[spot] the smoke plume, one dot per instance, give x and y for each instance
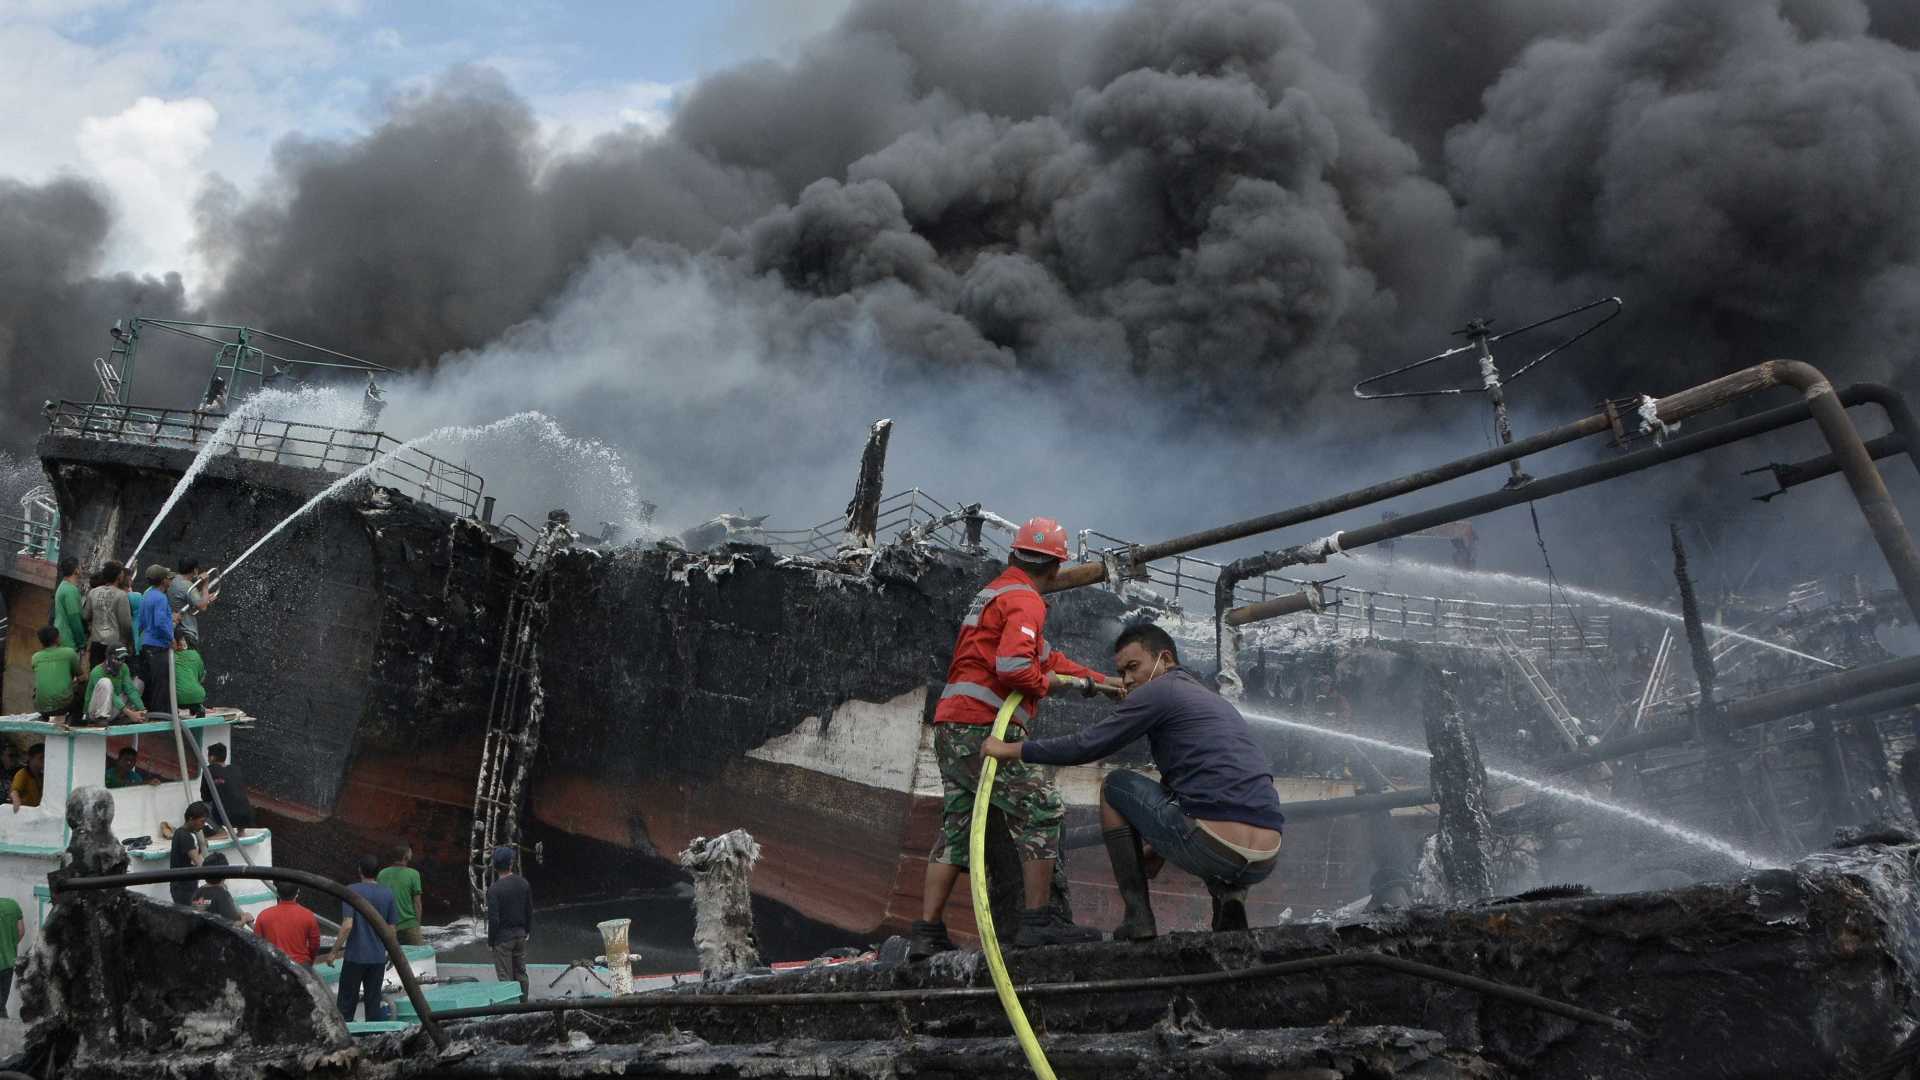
(1047, 239)
(55, 306)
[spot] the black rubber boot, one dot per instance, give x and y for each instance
(1123, 848)
(1042, 926)
(928, 939)
(1229, 907)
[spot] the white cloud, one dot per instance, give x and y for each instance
(569, 121)
(149, 98)
(149, 157)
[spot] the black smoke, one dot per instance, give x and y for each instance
(1217, 212)
(1738, 170)
(56, 303)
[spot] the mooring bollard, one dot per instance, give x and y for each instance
(614, 933)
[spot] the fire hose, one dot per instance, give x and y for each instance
(983, 905)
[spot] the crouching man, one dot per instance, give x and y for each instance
(1213, 813)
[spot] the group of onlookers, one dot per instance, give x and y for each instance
(394, 891)
(133, 643)
(129, 639)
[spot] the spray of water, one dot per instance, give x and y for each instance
(299, 402)
(531, 457)
(1494, 577)
(445, 434)
(1678, 832)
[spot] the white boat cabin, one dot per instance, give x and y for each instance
(33, 839)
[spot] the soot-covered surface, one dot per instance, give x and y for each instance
(712, 657)
(362, 640)
(1803, 972)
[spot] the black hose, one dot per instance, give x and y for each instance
(668, 1000)
(359, 903)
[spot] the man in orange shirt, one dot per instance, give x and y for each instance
(289, 927)
(1002, 649)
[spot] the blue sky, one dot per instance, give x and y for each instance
(149, 97)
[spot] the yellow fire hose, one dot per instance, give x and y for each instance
(983, 907)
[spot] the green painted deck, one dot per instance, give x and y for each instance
(415, 954)
(375, 1027)
(459, 996)
(24, 724)
(156, 852)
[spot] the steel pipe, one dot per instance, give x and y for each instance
(360, 906)
(670, 1000)
(1671, 410)
(1307, 599)
(1792, 475)
(1859, 692)
(1869, 487)
(1819, 400)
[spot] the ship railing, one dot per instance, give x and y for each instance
(409, 469)
(25, 536)
(1374, 613)
(903, 510)
(1190, 580)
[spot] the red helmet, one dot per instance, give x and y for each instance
(1042, 536)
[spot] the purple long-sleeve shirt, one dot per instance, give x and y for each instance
(1199, 741)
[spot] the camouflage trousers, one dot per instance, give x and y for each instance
(1023, 793)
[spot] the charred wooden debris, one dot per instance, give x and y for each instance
(1806, 971)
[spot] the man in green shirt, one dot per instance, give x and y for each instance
(13, 927)
(404, 882)
(120, 699)
(54, 692)
(188, 672)
(69, 604)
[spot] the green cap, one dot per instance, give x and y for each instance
(157, 573)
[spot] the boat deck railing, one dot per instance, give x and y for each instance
(1190, 580)
(24, 536)
(903, 510)
(1375, 613)
(411, 470)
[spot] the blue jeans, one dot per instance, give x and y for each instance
(1153, 813)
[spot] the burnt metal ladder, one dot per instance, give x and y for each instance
(1557, 710)
(1656, 677)
(513, 732)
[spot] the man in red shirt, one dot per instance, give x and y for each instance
(1002, 648)
(289, 927)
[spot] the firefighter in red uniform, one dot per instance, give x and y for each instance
(1002, 649)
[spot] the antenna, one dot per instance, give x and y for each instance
(1480, 338)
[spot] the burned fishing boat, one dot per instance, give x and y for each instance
(414, 681)
(396, 644)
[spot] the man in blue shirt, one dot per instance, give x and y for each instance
(1212, 813)
(153, 625)
(366, 955)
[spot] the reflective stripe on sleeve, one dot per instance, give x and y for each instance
(974, 691)
(1006, 664)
